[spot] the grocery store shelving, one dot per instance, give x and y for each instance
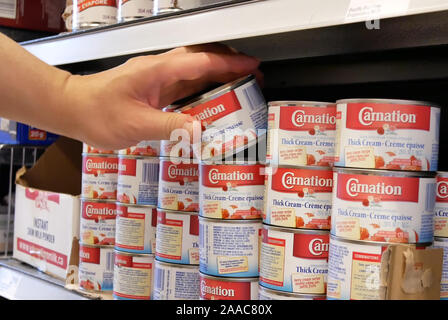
(257, 27)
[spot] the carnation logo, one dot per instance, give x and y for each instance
(84, 255)
(103, 165)
(210, 112)
(318, 247)
(215, 176)
(215, 290)
(174, 172)
(442, 189)
(289, 181)
(300, 118)
(354, 188)
(105, 211)
(367, 116)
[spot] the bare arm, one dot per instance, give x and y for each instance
(116, 108)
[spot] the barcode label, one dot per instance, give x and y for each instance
(254, 96)
(109, 261)
(150, 173)
(8, 9)
(430, 197)
(159, 279)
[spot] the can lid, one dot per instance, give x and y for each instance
(228, 279)
(388, 101)
(273, 166)
(123, 156)
(122, 204)
(298, 103)
(193, 213)
(229, 221)
(100, 155)
(443, 174)
(291, 294)
(215, 93)
(440, 239)
(296, 230)
(181, 160)
(133, 254)
(391, 173)
(377, 243)
(177, 265)
(81, 244)
(85, 199)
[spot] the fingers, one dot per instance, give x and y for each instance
(209, 47)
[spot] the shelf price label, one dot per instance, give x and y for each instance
(359, 10)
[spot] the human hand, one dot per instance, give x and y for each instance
(120, 107)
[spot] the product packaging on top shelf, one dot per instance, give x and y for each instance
(12, 132)
(47, 209)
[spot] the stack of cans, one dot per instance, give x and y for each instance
(97, 219)
(177, 247)
(137, 192)
(384, 189)
(441, 228)
(299, 184)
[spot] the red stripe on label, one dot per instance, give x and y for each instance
(52, 257)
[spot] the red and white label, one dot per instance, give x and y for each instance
(86, 4)
(213, 289)
(308, 118)
(99, 177)
(383, 207)
(94, 12)
(97, 225)
(299, 198)
(96, 268)
(441, 208)
(231, 191)
(50, 256)
(311, 246)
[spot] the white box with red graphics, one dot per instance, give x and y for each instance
(47, 208)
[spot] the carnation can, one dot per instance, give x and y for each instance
(138, 180)
(232, 117)
(178, 185)
(269, 294)
(219, 288)
(443, 243)
(133, 274)
(175, 281)
(231, 190)
(129, 10)
(97, 225)
(355, 269)
(136, 228)
(384, 206)
(387, 134)
(229, 248)
(441, 208)
(298, 197)
(96, 267)
(92, 150)
(301, 133)
(177, 237)
(147, 148)
(90, 14)
(294, 260)
(99, 176)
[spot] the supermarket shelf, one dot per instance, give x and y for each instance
(19, 281)
(256, 27)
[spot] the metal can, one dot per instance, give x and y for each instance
(178, 185)
(443, 243)
(91, 14)
(387, 134)
(99, 176)
(177, 237)
(354, 269)
(301, 133)
(229, 248)
(96, 267)
(138, 180)
(129, 10)
(175, 281)
(147, 148)
(384, 206)
(298, 197)
(165, 6)
(218, 288)
(441, 207)
(232, 117)
(92, 150)
(294, 260)
(136, 228)
(176, 149)
(133, 274)
(269, 294)
(97, 225)
(231, 191)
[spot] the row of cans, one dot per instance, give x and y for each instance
(91, 14)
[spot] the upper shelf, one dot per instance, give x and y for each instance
(248, 21)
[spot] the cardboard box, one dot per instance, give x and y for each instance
(47, 205)
(42, 15)
(12, 132)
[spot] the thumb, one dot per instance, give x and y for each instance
(159, 125)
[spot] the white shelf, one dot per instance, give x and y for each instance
(22, 282)
(242, 21)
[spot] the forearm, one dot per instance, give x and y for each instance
(30, 90)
